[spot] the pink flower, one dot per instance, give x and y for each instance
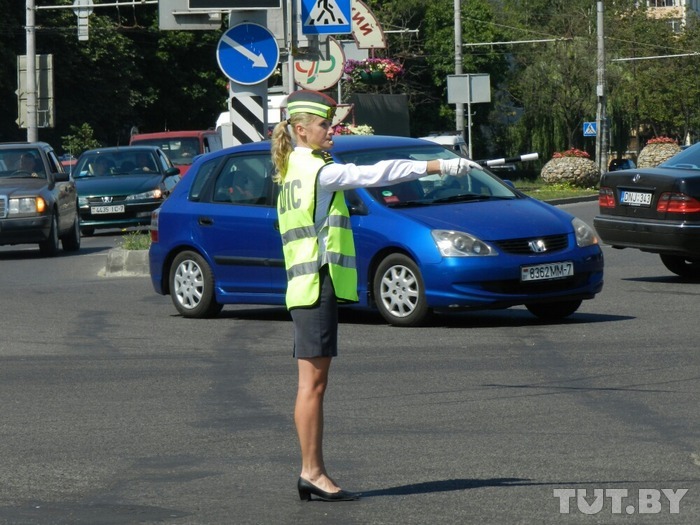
(354, 68)
(573, 152)
(661, 140)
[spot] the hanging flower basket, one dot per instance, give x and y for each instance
(373, 71)
(376, 78)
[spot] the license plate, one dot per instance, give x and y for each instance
(97, 210)
(547, 272)
(635, 198)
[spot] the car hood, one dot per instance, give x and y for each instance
(117, 185)
(494, 220)
(27, 185)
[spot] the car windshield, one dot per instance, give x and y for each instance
(688, 159)
(21, 163)
(179, 150)
(478, 185)
(107, 164)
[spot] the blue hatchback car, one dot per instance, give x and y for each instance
(426, 245)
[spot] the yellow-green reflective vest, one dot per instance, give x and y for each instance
(296, 209)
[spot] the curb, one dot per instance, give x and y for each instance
(573, 200)
(127, 263)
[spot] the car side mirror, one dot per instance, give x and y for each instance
(60, 177)
(355, 204)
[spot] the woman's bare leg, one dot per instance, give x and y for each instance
(308, 417)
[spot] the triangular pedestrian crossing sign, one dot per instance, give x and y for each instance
(589, 129)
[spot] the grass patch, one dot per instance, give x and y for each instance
(136, 241)
(546, 191)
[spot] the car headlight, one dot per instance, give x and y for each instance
(26, 206)
(585, 235)
(82, 201)
(459, 244)
(153, 194)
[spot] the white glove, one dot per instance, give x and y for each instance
(456, 167)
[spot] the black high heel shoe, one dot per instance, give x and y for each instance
(306, 489)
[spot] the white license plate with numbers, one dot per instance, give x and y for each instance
(546, 272)
(635, 198)
(116, 208)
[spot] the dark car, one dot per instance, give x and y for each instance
(38, 199)
(119, 187)
(621, 164)
(425, 245)
(655, 210)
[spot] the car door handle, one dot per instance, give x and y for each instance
(277, 225)
(205, 221)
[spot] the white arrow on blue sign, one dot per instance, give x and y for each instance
(325, 17)
(248, 53)
(590, 129)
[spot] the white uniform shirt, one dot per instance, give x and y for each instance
(334, 177)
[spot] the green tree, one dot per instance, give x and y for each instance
(81, 138)
(552, 83)
(12, 37)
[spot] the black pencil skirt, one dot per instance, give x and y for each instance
(316, 328)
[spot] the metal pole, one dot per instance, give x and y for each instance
(32, 131)
(469, 117)
(601, 144)
(291, 44)
(459, 107)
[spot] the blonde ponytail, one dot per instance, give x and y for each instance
(282, 145)
(281, 149)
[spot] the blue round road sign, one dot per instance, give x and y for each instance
(247, 53)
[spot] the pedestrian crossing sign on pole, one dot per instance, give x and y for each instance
(590, 129)
(325, 17)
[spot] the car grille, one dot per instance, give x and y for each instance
(552, 243)
(109, 200)
(3, 207)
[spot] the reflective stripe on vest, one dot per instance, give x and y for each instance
(300, 239)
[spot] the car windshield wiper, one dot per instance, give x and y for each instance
(408, 204)
(466, 197)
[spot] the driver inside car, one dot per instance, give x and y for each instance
(27, 163)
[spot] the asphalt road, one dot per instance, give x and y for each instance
(117, 411)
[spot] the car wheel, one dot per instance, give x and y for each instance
(192, 286)
(682, 266)
(49, 247)
(71, 242)
(553, 311)
(399, 292)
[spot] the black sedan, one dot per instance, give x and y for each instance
(655, 210)
(38, 199)
(120, 186)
